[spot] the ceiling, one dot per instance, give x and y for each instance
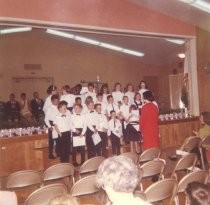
(157, 51)
(178, 10)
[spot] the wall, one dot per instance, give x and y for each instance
(203, 57)
(69, 62)
(102, 14)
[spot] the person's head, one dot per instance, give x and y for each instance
(90, 87)
(205, 118)
(78, 89)
(110, 99)
(77, 108)
(66, 89)
(148, 96)
(137, 97)
(97, 107)
(55, 99)
(62, 106)
(117, 174)
(23, 96)
(90, 106)
(125, 100)
(52, 90)
(113, 114)
(64, 200)
(132, 107)
(78, 100)
(117, 87)
(104, 88)
(88, 100)
(99, 97)
(36, 95)
(129, 88)
(12, 96)
(142, 85)
(197, 194)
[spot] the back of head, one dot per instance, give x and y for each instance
(198, 194)
(63, 200)
(148, 95)
(118, 173)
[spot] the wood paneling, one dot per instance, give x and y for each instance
(173, 133)
(25, 152)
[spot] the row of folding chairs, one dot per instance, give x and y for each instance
(158, 191)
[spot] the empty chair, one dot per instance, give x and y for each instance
(161, 190)
(84, 186)
(205, 144)
(184, 163)
(149, 154)
(59, 171)
(197, 176)
(152, 168)
(132, 156)
(43, 195)
(190, 143)
(91, 165)
(23, 179)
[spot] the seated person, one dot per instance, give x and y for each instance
(63, 200)
(119, 177)
(12, 109)
(197, 194)
(37, 107)
(25, 109)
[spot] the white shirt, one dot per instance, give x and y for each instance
(69, 98)
(117, 96)
(105, 98)
(63, 122)
(91, 120)
(124, 109)
(111, 107)
(114, 126)
(47, 104)
(78, 121)
(134, 117)
(51, 114)
(130, 96)
(102, 122)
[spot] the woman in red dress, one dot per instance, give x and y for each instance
(149, 121)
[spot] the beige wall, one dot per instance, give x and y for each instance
(203, 56)
(68, 62)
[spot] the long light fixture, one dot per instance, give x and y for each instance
(15, 30)
(200, 4)
(176, 41)
(94, 42)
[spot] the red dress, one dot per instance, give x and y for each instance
(149, 125)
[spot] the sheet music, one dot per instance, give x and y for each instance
(78, 141)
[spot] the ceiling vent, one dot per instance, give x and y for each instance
(32, 66)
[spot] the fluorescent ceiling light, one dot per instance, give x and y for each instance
(86, 40)
(135, 53)
(181, 55)
(200, 4)
(110, 46)
(14, 30)
(94, 42)
(176, 41)
(60, 33)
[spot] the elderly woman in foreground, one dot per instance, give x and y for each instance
(119, 177)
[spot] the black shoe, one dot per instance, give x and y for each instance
(52, 157)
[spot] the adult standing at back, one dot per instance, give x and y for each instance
(149, 121)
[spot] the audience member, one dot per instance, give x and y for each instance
(64, 200)
(197, 194)
(119, 177)
(8, 198)
(25, 109)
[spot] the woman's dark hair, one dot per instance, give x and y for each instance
(50, 89)
(148, 95)
(105, 85)
(198, 193)
(66, 88)
(142, 81)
